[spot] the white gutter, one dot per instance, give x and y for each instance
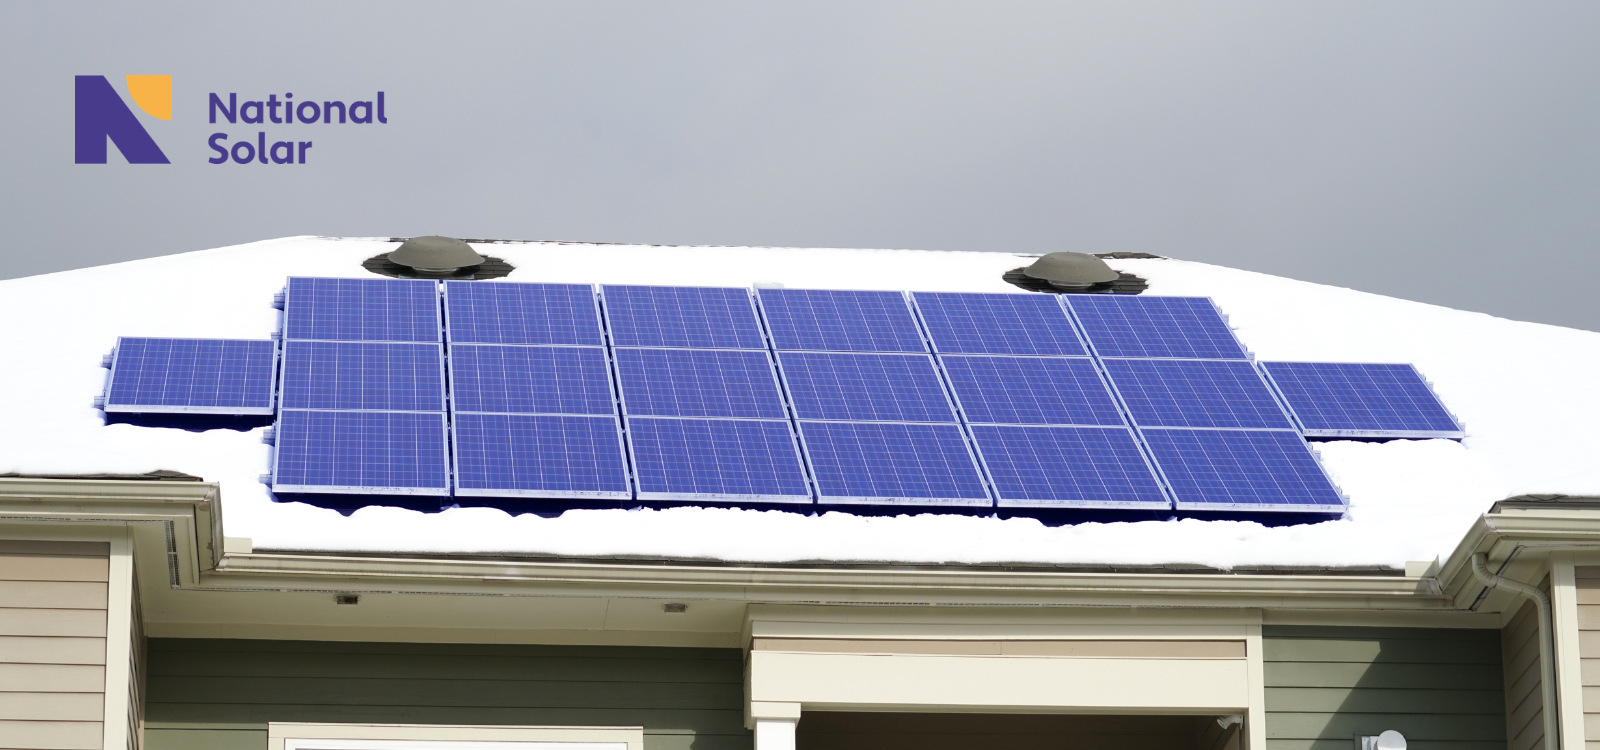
(1547, 646)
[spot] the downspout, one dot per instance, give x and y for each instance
(1547, 645)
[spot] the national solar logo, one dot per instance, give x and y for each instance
(100, 114)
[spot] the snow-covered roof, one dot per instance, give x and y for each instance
(1522, 390)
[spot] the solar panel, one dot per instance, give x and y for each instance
(519, 455)
(1362, 400)
(193, 376)
(1254, 470)
(699, 383)
(530, 380)
(887, 463)
(1127, 326)
(840, 321)
(1067, 467)
(361, 452)
(361, 310)
(359, 375)
(682, 317)
(865, 387)
(1030, 390)
(716, 459)
(1195, 393)
(1029, 324)
(504, 313)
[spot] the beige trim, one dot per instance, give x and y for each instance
(1255, 719)
(1118, 649)
(278, 731)
(119, 733)
(1568, 656)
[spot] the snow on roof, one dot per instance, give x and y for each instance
(1522, 389)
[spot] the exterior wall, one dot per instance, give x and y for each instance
(1441, 688)
(1588, 590)
(220, 694)
(917, 731)
(1519, 643)
(53, 599)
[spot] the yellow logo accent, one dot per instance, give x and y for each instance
(153, 94)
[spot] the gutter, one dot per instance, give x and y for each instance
(1547, 646)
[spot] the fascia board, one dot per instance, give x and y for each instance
(1529, 533)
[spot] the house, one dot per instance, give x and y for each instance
(155, 592)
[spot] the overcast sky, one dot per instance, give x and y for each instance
(1447, 152)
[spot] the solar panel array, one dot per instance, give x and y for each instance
(532, 412)
(796, 396)
(1213, 427)
(705, 417)
(1362, 400)
(363, 392)
(191, 376)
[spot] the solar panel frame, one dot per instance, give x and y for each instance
(1312, 423)
(306, 318)
(1188, 495)
(1014, 488)
(945, 333)
(1142, 386)
(814, 432)
(294, 383)
(459, 313)
(467, 479)
(268, 394)
(783, 327)
(287, 433)
(842, 404)
(642, 404)
(644, 471)
(1115, 339)
(961, 370)
(622, 333)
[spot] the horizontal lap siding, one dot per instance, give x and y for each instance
(220, 694)
(52, 644)
(1588, 580)
(1442, 689)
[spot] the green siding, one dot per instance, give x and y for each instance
(1442, 689)
(220, 694)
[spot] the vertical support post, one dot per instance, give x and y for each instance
(775, 734)
(1569, 664)
(120, 733)
(1255, 719)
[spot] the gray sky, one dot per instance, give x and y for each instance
(1447, 152)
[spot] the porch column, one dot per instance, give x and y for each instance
(775, 734)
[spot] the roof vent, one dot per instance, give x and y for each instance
(1071, 271)
(435, 256)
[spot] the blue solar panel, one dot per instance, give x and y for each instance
(1030, 390)
(699, 383)
(1361, 400)
(361, 452)
(1127, 326)
(840, 321)
(1242, 470)
(504, 313)
(195, 376)
(518, 455)
(1067, 467)
(717, 459)
(361, 310)
(886, 463)
(1195, 393)
(530, 380)
(1031, 324)
(865, 387)
(361, 375)
(682, 317)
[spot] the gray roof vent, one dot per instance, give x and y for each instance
(1071, 271)
(435, 256)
